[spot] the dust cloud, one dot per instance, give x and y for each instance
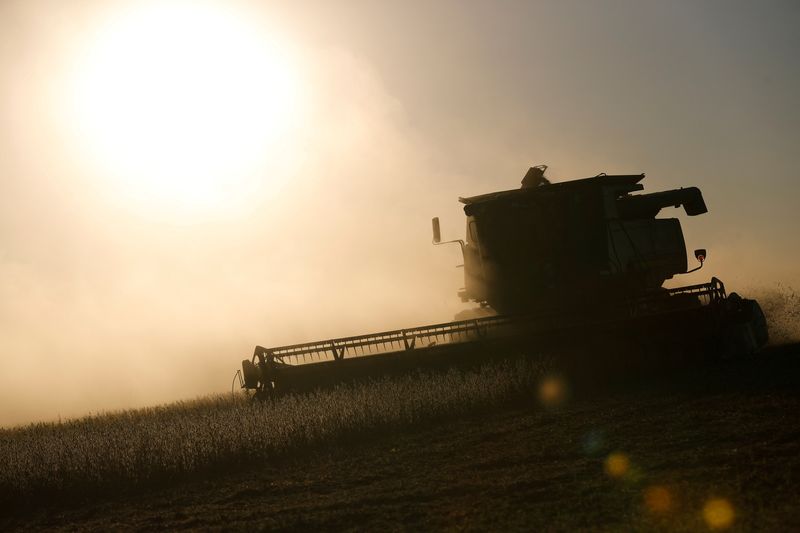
(103, 308)
(104, 305)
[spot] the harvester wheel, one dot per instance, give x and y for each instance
(265, 392)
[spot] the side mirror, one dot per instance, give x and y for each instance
(437, 236)
(700, 254)
(437, 232)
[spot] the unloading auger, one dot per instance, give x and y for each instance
(566, 265)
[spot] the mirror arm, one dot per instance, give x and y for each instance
(702, 260)
(437, 236)
(695, 269)
(459, 241)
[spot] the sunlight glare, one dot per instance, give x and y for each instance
(617, 465)
(182, 105)
(552, 391)
(718, 513)
(658, 499)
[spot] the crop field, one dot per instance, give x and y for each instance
(146, 446)
(520, 444)
(712, 448)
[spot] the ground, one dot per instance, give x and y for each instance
(697, 448)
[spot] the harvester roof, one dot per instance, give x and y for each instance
(621, 183)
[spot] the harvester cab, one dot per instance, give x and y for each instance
(572, 244)
(578, 263)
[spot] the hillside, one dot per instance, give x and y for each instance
(715, 446)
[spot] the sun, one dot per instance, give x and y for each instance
(184, 106)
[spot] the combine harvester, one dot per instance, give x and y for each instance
(577, 265)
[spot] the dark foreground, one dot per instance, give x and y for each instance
(649, 456)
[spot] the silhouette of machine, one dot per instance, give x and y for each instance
(575, 245)
(579, 264)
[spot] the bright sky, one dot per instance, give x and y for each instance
(184, 180)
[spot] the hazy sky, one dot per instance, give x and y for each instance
(282, 196)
